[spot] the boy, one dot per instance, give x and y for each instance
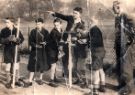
(96, 46)
(38, 40)
(9, 40)
(56, 35)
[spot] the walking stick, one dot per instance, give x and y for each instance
(70, 60)
(91, 68)
(15, 56)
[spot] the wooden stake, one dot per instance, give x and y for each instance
(70, 60)
(15, 57)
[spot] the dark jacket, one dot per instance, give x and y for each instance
(95, 37)
(123, 46)
(123, 35)
(9, 46)
(54, 42)
(54, 38)
(95, 42)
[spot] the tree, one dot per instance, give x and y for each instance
(22, 8)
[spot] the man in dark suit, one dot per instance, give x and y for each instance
(124, 28)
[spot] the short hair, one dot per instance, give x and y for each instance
(115, 4)
(78, 9)
(39, 20)
(57, 20)
(12, 19)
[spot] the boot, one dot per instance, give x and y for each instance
(125, 91)
(28, 84)
(52, 83)
(102, 88)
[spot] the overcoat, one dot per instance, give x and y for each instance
(123, 45)
(9, 46)
(38, 55)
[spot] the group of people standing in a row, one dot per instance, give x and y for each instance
(49, 48)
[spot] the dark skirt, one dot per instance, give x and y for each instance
(38, 61)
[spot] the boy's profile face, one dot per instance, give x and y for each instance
(57, 25)
(76, 14)
(60, 48)
(116, 9)
(39, 25)
(8, 23)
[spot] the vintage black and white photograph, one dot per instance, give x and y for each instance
(67, 47)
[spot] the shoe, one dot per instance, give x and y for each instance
(119, 87)
(57, 81)
(40, 82)
(19, 84)
(77, 82)
(52, 83)
(125, 92)
(8, 85)
(28, 84)
(102, 88)
(84, 85)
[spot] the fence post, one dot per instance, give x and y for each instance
(28, 37)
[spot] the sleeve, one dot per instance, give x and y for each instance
(32, 42)
(2, 39)
(61, 16)
(20, 39)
